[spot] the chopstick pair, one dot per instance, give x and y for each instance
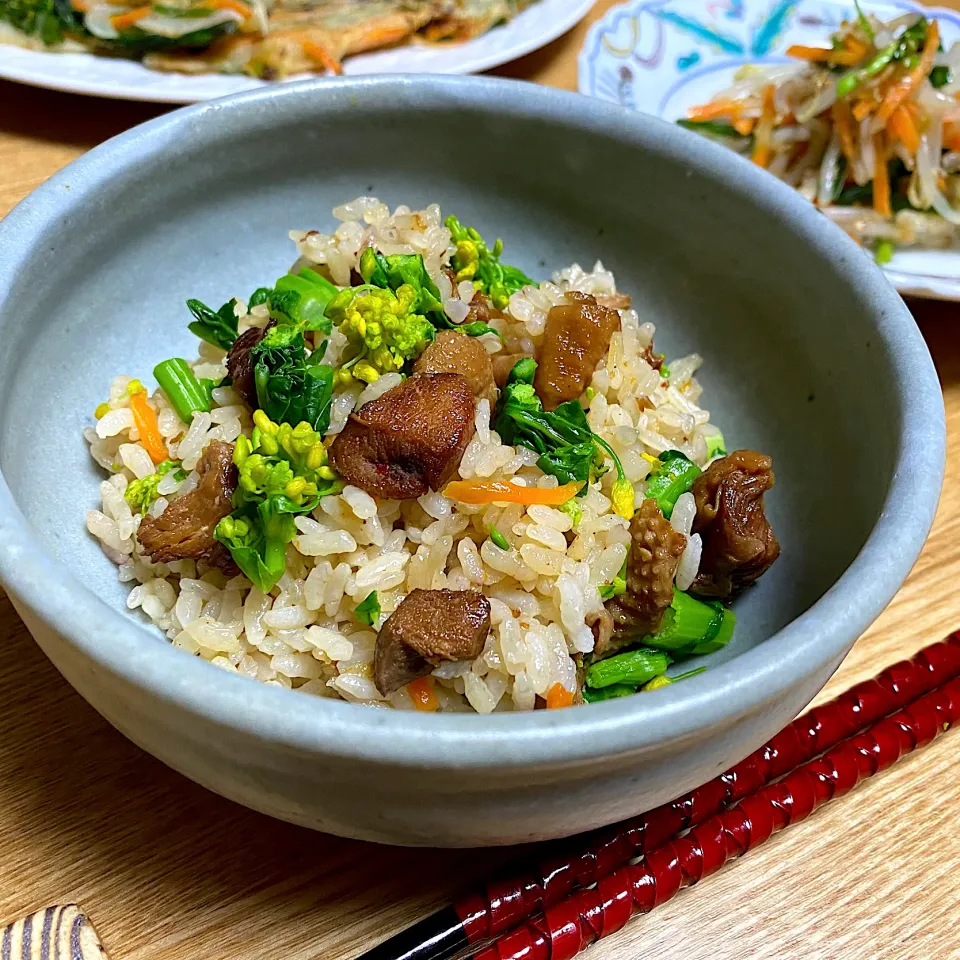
(550, 901)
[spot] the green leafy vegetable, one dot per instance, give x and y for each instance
(618, 587)
(692, 627)
(187, 394)
(474, 260)
(48, 20)
(901, 48)
(613, 692)
(573, 510)
(633, 667)
(291, 386)
(368, 610)
(568, 448)
(282, 471)
(863, 21)
(218, 328)
(499, 540)
(940, 76)
(141, 493)
(674, 477)
(301, 299)
(715, 446)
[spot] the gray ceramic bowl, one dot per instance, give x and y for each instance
(811, 356)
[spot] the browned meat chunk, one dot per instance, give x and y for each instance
(185, 529)
(739, 545)
(654, 554)
(429, 626)
(576, 338)
(454, 352)
(654, 359)
(410, 439)
(240, 364)
(503, 363)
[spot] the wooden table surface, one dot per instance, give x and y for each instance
(169, 871)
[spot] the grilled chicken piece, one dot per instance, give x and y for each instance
(185, 529)
(240, 364)
(576, 339)
(654, 555)
(454, 352)
(410, 439)
(428, 627)
(739, 545)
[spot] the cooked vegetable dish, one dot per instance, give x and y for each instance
(269, 39)
(408, 475)
(867, 127)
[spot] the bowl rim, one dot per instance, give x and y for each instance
(814, 641)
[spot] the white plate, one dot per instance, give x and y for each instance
(663, 56)
(126, 80)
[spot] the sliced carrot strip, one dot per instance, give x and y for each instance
(744, 126)
(559, 696)
(905, 130)
(79, 5)
(849, 55)
(316, 52)
(145, 421)
(910, 82)
(762, 152)
(497, 491)
(861, 108)
(235, 5)
(844, 126)
(422, 695)
(121, 21)
(816, 54)
(722, 107)
(881, 181)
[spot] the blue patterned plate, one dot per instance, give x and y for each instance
(664, 56)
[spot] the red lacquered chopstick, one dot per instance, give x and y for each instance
(507, 902)
(568, 927)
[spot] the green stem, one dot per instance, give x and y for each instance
(674, 478)
(692, 627)
(182, 388)
(608, 693)
(633, 667)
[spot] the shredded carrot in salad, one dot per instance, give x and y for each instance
(121, 21)
(762, 151)
(423, 696)
(498, 491)
(850, 127)
(145, 421)
(909, 84)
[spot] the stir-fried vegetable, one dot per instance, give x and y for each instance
(217, 327)
(383, 327)
(368, 609)
(871, 120)
(613, 692)
(664, 681)
(475, 261)
(618, 587)
(292, 386)
(282, 472)
(558, 696)
(141, 493)
(672, 478)
(635, 667)
(568, 448)
(499, 540)
(691, 627)
(500, 491)
(48, 20)
(187, 394)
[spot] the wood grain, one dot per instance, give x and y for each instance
(168, 871)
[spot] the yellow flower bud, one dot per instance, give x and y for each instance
(623, 498)
(295, 488)
(366, 372)
(135, 386)
(264, 423)
(657, 682)
(102, 410)
(325, 473)
(344, 377)
(316, 457)
(269, 445)
(241, 450)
